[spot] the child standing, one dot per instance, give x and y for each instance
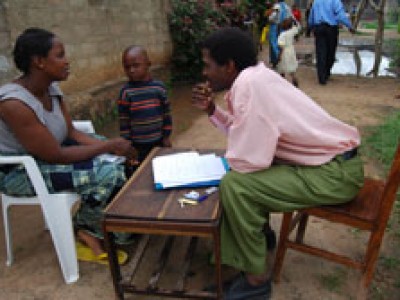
(143, 107)
(265, 26)
(287, 61)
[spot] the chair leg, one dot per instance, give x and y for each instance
(283, 237)
(374, 244)
(301, 229)
(7, 231)
(58, 218)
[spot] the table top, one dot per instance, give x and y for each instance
(139, 200)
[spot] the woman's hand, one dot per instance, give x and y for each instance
(122, 147)
(203, 98)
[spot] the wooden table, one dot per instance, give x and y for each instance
(139, 208)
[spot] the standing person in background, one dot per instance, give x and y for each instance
(296, 13)
(325, 16)
(143, 106)
(265, 24)
(287, 55)
(297, 17)
(280, 11)
(308, 9)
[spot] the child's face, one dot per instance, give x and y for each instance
(136, 66)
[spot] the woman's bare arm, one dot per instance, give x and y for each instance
(39, 142)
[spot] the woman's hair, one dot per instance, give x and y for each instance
(32, 42)
(234, 44)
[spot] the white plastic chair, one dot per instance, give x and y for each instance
(84, 126)
(56, 210)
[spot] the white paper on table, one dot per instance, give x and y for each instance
(187, 168)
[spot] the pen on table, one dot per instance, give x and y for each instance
(207, 193)
(202, 198)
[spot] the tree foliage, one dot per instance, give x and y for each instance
(190, 21)
(258, 7)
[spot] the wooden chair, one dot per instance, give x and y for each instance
(369, 210)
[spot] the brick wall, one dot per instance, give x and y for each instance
(95, 32)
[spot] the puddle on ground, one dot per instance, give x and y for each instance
(357, 56)
(346, 63)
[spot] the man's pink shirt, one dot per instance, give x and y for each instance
(269, 119)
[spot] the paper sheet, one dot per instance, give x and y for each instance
(186, 168)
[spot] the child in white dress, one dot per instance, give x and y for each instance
(287, 55)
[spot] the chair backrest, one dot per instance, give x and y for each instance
(390, 189)
(85, 126)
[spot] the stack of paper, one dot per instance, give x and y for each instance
(188, 169)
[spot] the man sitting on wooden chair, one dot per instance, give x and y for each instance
(285, 152)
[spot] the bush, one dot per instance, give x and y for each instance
(190, 21)
(258, 8)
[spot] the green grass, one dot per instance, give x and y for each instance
(390, 262)
(374, 25)
(333, 281)
(382, 142)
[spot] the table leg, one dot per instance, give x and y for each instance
(113, 261)
(217, 252)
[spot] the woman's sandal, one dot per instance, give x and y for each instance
(84, 253)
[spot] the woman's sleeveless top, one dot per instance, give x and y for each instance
(53, 120)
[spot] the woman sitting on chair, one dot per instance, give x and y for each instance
(34, 120)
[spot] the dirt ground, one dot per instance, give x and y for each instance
(363, 102)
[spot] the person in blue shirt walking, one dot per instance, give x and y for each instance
(280, 11)
(324, 18)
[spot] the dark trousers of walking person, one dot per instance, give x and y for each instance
(326, 38)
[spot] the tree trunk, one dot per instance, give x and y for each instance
(360, 10)
(378, 36)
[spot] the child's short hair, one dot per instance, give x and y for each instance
(138, 49)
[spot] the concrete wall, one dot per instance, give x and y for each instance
(6, 66)
(95, 33)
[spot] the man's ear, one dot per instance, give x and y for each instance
(231, 67)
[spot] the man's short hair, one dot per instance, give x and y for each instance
(231, 43)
